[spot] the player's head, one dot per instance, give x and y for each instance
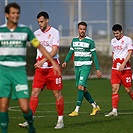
(82, 26)
(117, 31)
(43, 20)
(12, 12)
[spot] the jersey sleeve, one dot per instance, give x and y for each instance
(112, 46)
(92, 46)
(56, 39)
(130, 44)
(94, 54)
(31, 38)
(70, 53)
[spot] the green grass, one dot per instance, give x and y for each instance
(46, 115)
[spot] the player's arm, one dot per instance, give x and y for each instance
(52, 53)
(98, 72)
(130, 52)
(37, 44)
(128, 57)
(68, 57)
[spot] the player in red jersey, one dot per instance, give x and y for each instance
(122, 50)
(44, 74)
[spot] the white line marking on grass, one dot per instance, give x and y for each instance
(17, 108)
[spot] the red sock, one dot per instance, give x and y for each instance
(131, 95)
(115, 100)
(33, 104)
(60, 106)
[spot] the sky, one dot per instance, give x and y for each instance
(59, 12)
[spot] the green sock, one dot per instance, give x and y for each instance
(80, 97)
(4, 121)
(88, 97)
(29, 118)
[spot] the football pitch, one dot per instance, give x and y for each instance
(46, 115)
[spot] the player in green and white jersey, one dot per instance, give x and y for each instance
(13, 77)
(84, 52)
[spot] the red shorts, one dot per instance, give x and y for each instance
(122, 77)
(46, 77)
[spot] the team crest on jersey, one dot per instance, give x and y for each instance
(122, 42)
(49, 35)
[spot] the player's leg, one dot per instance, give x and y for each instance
(59, 108)
(34, 99)
(33, 104)
(89, 98)
(20, 91)
(82, 79)
(37, 85)
(127, 83)
(27, 113)
(115, 100)
(54, 83)
(129, 91)
(5, 94)
(80, 93)
(4, 119)
(115, 82)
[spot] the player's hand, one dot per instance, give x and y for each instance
(64, 64)
(39, 63)
(99, 74)
(121, 68)
(56, 68)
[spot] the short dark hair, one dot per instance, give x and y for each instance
(14, 5)
(117, 27)
(44, 14)
(82, 23)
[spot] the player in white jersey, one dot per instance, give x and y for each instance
(122, 49)
(13, 78)
(44, 74)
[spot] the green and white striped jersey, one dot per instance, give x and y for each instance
(83, 51)
(13, 45)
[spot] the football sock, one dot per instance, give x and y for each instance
(4, 121)
(77, 108)
(114, 110)
(94, 105)
(60, 106)
(80, 97)
(131, 95)
(115, 100)
(88, 97)
(33, 104)
(29, 118)
(60, 118)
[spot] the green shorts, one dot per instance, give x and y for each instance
(13, 82)
(82, 73)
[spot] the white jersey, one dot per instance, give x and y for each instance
(120, 50)
(47, 39)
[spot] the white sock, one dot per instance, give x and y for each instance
(94, 105)
(77, 108)
(114, 110)
(60, 118)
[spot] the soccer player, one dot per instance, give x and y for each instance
(84, 50)
(44, 75)
(122, 50)
(13, 78)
